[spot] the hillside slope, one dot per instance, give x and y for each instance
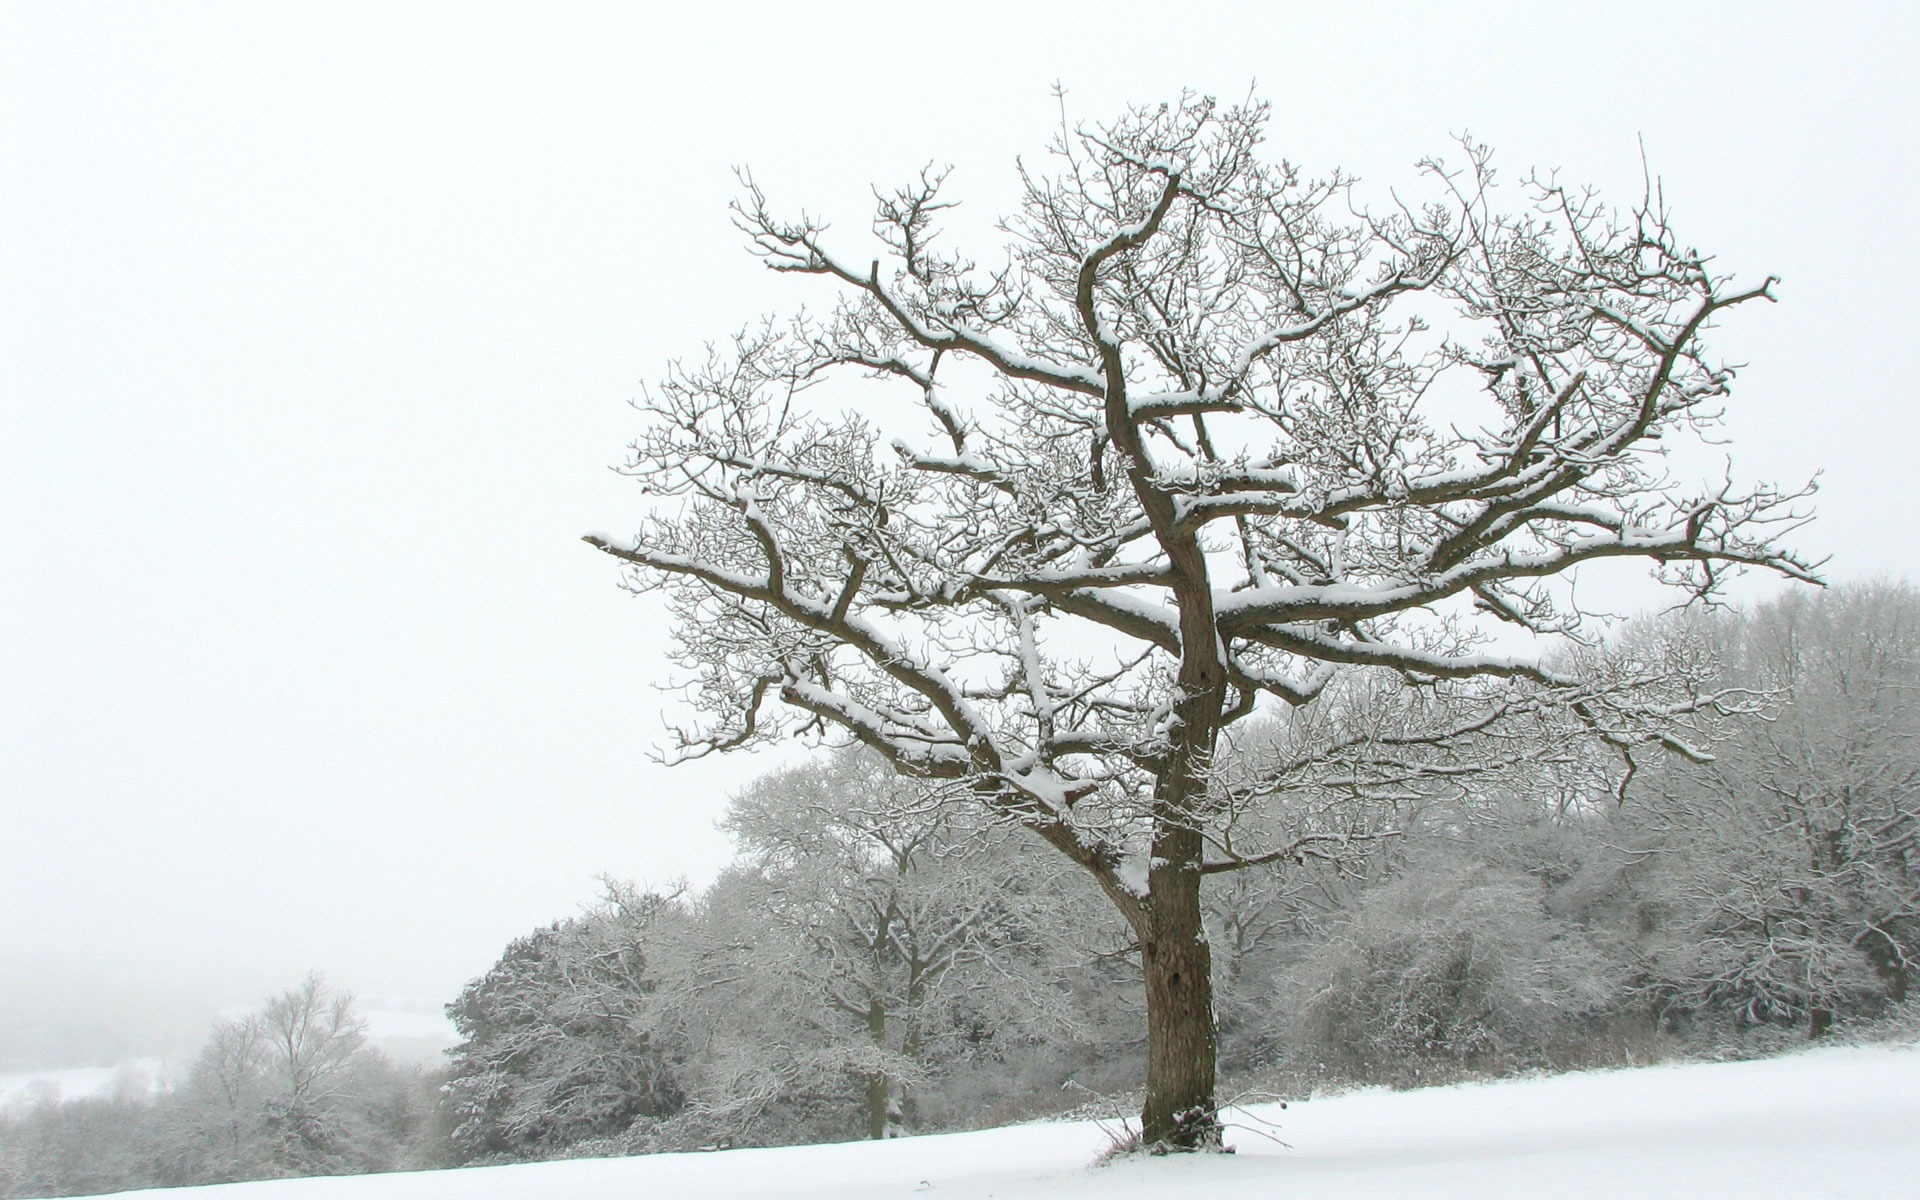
(1842, 1122)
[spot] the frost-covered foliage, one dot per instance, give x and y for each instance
(912, 939)
(290, 1090)
(560, 1041)
(79, 1147)
(1781, 882)
(1770, 889)
(876, 960)
(1444, 970)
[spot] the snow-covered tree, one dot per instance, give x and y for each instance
(78, 1146)
(310, 1038)
(291, 1089)
(914, 934)
(1454, 965)
(1206, 435)
(1784, 877)
(560, 1039)
(859, 967)
(871, 955)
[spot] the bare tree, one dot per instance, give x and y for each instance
(1206, 435)
(290, 1089)
(310, 1035)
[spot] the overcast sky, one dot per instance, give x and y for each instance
(320, 322)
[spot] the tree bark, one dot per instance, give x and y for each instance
(1181, 1112)
(879, 1102)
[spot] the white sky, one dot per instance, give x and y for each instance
(319, 323)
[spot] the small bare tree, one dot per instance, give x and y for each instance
(1206, 436)
(282, 1091)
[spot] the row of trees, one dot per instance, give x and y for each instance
(870, 940)
(289, 1090)
(881, 957)
(1759, 894)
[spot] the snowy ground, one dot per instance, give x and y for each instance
(1836, 1123)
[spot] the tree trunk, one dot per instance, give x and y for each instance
(879, 1086)
(1181, 1112)
(1819, 1020)
(880, 1105)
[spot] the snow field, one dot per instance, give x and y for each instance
(1841, 1123)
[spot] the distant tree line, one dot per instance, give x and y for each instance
(292, 1089)
(882, 959)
